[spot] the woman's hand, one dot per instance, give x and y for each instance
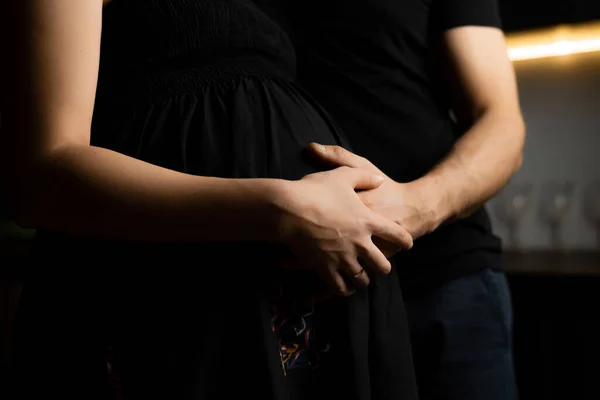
(328, 228)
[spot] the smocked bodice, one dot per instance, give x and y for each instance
(168, 45)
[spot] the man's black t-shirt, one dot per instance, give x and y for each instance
(374, 65)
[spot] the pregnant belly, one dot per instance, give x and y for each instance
(246, 127)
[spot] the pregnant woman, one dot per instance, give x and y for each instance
(157, 146)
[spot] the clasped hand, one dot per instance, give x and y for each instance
(330, 230)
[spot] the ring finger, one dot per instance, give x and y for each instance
(356, 274)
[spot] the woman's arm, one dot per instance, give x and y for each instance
(56, 180)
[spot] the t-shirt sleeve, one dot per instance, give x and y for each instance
(455, 13)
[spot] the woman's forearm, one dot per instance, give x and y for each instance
(55, 180)
(94, 191)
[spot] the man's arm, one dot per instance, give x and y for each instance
(480, 162)
(482, 79)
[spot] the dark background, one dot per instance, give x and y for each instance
(557, 322)
(527, 14)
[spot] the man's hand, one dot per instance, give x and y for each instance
(481, 161)
(411, 205)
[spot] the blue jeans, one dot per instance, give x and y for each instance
(462, 339)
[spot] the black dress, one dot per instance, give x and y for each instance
(204, 87)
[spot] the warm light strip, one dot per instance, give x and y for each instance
(559, 41)
(559, 48)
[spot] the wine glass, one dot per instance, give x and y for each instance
(592, 206)
(556, 202)
(515, 201)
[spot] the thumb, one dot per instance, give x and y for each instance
(335, 155)
(364, 180)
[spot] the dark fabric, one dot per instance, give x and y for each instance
(205, 87)
(342, 374)
(462, 339)
(375, 66)
(456, 13)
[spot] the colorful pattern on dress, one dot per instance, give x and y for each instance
(300, 339)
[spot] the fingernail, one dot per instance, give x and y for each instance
(320, 147)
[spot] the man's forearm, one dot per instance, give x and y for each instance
(481, 162)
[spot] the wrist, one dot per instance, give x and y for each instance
(276, 195)
(434, 199)
(254, 207)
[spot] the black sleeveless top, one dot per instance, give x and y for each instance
(204, 87)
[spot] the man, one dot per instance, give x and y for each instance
(425, 92)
